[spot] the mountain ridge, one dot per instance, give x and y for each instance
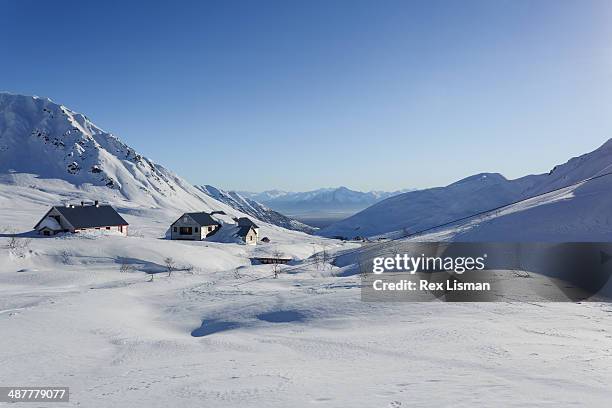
(255, 209)
(340, 199)
(39, 136)
(44, 145)
(414, 211)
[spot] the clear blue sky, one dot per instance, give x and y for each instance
(305, 94)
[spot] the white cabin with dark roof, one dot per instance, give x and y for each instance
(248, 234)
(215, 226)
(247, 222)
(82, 218)
(194, 226)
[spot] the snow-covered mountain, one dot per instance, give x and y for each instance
(40, 137)
(340, 199)
(578, 213)
(255, 209)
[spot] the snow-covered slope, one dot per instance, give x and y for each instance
(103, 315)
(70, 315)
(576, 214)
(255, 209)
(421, 209)
(40, 137)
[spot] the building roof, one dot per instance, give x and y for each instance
(90, 216)
(202, 218)
(246, 222)
(244, 230)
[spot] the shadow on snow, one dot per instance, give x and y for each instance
(213, 326)
(282, 316)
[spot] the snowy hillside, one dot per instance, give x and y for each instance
(40, 137)
(101, 315)
(255, 209)
(72, 317)
(577, 214)
(106, 316)
(424, 208)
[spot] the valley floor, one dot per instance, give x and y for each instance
(218, 336)
(301, 340)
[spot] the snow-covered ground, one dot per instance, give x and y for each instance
(83, 312)
(215, 336)
(120, 341)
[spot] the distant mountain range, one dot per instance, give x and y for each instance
(255, 209)
(340, 200)
(43, 143)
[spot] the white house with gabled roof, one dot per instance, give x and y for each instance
(81, 218)
(194, 226)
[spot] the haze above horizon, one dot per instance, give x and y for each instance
(290, 95)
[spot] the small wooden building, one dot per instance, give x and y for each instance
(272, 260)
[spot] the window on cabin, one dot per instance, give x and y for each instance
(108, 228)
(196, 229)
